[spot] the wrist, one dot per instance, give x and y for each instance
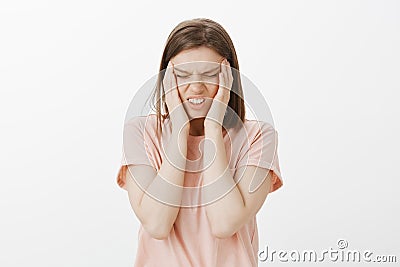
(212, 129)
(180, 128)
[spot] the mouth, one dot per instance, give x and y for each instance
(196, 103)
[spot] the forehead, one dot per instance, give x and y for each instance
(197, 66)
(200, 57)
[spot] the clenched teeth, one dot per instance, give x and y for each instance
(196, 100)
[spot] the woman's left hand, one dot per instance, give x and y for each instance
(215, 115)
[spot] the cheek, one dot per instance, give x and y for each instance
(213, 90)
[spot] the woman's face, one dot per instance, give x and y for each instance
(197, 71)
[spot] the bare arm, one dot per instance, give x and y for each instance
(232, 203)
(158, 207)
(157, 202)
(229, 213)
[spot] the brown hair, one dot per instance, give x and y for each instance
(191, 34)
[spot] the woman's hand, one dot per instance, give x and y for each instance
(215, 115)
(177, 114)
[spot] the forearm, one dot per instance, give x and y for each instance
(161, 202)
(222, 214)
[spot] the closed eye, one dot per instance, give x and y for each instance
(187, 76)
(182, 76)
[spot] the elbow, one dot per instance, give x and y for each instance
(223, 231)
(155, 227)
(159, 235)
(158, 232)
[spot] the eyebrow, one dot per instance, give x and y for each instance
(208, 71)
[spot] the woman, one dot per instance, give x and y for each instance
(198, 183)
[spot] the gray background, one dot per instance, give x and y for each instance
(328, 69)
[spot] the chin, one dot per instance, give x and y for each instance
(196, 115)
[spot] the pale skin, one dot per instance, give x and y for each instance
(230, 212)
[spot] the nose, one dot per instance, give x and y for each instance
(197, 87)
(197, 83)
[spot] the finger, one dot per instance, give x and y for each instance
(172, 89)
(228, 74)
(173, 77)
(168, 86)
(226, 65)
(229, 70)
(220, 65)
(171, 93)
(222, 78)
(224, 90)
(168, 78)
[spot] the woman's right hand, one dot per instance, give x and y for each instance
(177, 114)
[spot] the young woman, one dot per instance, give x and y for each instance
(197, 175)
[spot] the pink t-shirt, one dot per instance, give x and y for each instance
(190, 242)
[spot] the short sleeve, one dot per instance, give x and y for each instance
(135, 143)
(135, 147)
(261, 149)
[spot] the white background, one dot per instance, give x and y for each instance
(328, 69)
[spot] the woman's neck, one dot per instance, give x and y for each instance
(197, 127)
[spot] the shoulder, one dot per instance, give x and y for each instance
(256, 125)
(141, 120)
(146, 129)
(147, 123)
(251, 129)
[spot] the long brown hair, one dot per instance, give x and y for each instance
(191, 34)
